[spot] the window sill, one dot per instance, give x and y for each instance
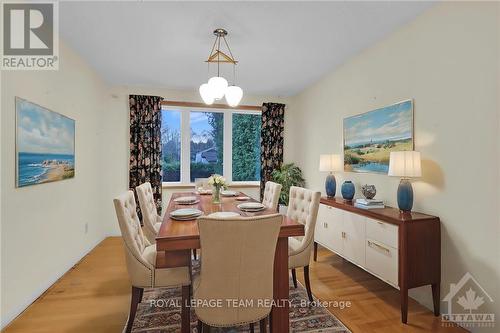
(233, 184)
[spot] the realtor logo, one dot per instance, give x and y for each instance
(466, 300)
(29, 36)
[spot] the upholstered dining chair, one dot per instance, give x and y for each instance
(150, 218)
(303, 207)
(237, 264)
(272, 192)
(140, 258)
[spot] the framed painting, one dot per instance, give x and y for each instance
(45, 145)
(370, 137)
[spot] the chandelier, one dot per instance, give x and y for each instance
(217, 86)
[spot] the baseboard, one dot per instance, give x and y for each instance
(7, 318)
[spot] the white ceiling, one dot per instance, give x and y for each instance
(283, 47)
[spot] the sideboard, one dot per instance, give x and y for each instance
(402, 249)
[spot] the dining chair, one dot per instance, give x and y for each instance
(237, 265)
(140, 258)
(272, 192)
(150, 218)
(303, 207)
(201, 183)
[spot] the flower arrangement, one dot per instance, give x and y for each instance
(218, 182)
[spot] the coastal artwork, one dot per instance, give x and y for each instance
(45, 145)
(370, 137)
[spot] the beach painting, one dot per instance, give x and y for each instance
(370, 137)
(45, 145)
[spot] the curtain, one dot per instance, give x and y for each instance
(271, 141)
(145, 145)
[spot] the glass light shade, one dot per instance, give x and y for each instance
(218, 85)
(405, 164)
(233, 95)
(331, 162)
(206, 94)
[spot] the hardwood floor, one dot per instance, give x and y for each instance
(94, 297)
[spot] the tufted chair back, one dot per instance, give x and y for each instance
(243, 273)
(148, 208)
(139, 267)
(303, 207)
(272, 194)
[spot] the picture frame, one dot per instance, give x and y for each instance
(369, 137)
(44, 145)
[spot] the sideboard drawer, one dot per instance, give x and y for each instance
(382, 260)
(382, 232)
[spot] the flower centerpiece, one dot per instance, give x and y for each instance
(218, 182)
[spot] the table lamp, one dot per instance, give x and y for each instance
(405, 164)
(331, 163)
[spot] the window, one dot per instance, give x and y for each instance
(197, 143)
(207, 144)
(171, 145)
(246, 147)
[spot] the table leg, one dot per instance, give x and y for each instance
(279, 313)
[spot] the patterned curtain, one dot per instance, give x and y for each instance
(145, 145)
(271, 141)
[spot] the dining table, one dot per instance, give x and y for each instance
(176, 240)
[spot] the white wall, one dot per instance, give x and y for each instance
(448, 61)
(43, 226)
(116, 140)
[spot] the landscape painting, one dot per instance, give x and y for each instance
(45, 145)
(370, 137)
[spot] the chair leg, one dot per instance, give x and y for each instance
(308, 283)
(294, 278)
(135, 300)
(199, 327)
(194, 254)
(251, 328)
(315, 251)
(206, 328)
(263, 325)
(185, 322)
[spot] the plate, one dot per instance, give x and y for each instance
(205, 192)
(186, 200)
(251, 206)
(224, 215)
(227, 193)
(243, 198)
(186, 213)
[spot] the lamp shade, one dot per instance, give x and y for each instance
(405, 164)
(206, 94)
(233, 95)
(331, 162)
(218, 85)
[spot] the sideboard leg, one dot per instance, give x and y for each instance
(404, 305)
(315, 251)
(436, 297)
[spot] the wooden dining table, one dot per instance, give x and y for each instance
(176, 239)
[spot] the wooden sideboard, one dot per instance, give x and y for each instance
(402, 249)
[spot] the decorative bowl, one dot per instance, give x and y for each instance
(369, 191)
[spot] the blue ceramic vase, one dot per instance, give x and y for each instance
(405, 196)
(330, 186)
(348, 190)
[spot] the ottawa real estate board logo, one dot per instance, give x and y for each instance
(30, 35)
(467, 302)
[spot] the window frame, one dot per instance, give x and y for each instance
(227, 162)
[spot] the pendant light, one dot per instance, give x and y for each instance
(217, 86)
(207, 94)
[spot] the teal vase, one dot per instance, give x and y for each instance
(348, 190)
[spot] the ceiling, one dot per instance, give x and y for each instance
(283, 47)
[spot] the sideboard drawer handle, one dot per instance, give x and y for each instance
(383, 248)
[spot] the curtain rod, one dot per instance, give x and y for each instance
(213, 106)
